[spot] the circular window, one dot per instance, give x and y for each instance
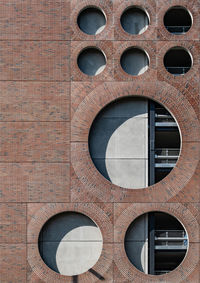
(177, 61)
(91, 61)
(70, 243)
(156, 243)
(178, 20)
(134, 20)
(134, 142)
(134, 61)
(91, 20)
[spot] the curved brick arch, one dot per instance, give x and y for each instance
(96, 186)
(128, 213)
(96, 213)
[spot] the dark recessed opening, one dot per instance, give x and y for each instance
(134, 142)
(156, 243)
(177, 20)
(134, 20)
(91, 20)
(70, 243)
(177, 61)
(134, 61)
(91, 61)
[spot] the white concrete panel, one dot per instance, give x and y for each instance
(129, 140)
(128, 173)
(138, 230)
(84, 233)
(137, 253)
(74, 258)
(91, 21)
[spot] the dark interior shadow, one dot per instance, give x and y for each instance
(95, 273)
(75, 279)
(53, 232)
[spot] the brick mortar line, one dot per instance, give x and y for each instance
(64, 202)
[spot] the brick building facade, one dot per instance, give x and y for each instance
(47, 106)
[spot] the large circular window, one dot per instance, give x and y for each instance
(91, 20)
(134, 20)
(134, 142)
(70, 243)
(156, 243)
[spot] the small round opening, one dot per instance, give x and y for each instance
(156, 243)
(70, 243)
(131, 147)
(177, 61)
(134, 61)
(91, 61)
(178, 20)
(91, 20)
(134, 20)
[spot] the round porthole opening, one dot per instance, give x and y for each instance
(156, 243)
(178, 20)
(70, 243)
(134, 142)
(178, 61)
(134, 20)
(91, 61)
(134, 61)
(91, 20)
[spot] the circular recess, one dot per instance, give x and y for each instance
(70, 243)
(134, 142)
(91, 20)
(156, 243)
(178, 20)
(91, 61)
(177, 61)
(134, 20)
(134, 61)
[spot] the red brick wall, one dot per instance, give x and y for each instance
(46, 109)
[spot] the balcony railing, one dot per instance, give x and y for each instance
(178, 29)
(166, 157)
(170, 240)
(177, 70)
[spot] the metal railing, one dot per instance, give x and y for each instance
(178, 29)
(178, 70)
(171, 239)
(166, 157)
(172, 234)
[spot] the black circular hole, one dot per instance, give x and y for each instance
(177, 61)
(177, 20)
